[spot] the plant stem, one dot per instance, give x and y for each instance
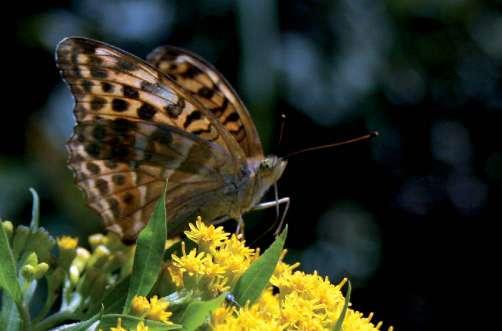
(25, 316)
(53, 320)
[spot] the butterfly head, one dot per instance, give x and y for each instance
(270, 169)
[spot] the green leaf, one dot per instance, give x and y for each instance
(54, 279)
(256, 278)
(80, 326)
(148, 259)
(114, 299)
(197, 312)
(8, 278)
(341, 318)
(11, 321)
(130, 322)
(35, 210)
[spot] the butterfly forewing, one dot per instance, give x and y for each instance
(136, 128)
(212, 90)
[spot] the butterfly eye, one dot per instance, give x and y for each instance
(266, 164)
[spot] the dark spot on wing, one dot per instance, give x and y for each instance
(205, 92)
(98, 72)
(118, 179)
(194, 116)
(128, 198)
(93, 168)
(102, 186)
(146, 111)
(97, 103)
(130, 92)
(93, 149)
(233, 117)
(119, 105)
(87, 85)
(107, 87)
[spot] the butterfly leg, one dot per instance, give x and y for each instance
(275, 203)
(240, 226)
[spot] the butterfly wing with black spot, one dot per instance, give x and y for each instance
(125, 173)
(212, 90)
(136, 128)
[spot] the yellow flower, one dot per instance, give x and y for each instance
(141, 326)
(355, 321)
(234, 257)
(140, 305)
(67, 242)
(119, 326)
(171, 242)
(218, 285)
(206, 236)
(158, 310)
(192, 263)
(299, 313)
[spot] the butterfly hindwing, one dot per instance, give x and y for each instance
(212, 90)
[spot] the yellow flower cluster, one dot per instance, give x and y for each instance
(214, 265)
(155, 309)
(294, 300)
(140, 327)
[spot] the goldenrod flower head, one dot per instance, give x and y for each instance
(193, 263)
(158, 310)
(141, 326)
(246, 318)
(355, 320)
(221, 314)
(140, 305)
(176, 275)
(218, 285)
(67, 242)
(171, 242)
(119, 326)
(205, 236)
(300, 313)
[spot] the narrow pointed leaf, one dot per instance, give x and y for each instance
(114, 299)
(256, 278)
(35, 210)
(10, 319)
(341, 318)
(80, 326)
(8, 279)
(197, 312)
(148, 259)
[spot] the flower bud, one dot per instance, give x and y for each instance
(28, 272)
(96, 239)
(99, 256)
(8, 228)
(40, 270)
(81, 259)
(31, 259)
(74, 275)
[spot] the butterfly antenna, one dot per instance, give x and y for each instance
(281, 128)
(346, 142)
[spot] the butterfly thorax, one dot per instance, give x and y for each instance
(262, 174)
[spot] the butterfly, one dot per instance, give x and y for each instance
(170, 118)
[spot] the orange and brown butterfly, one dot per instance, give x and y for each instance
(171, 118)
